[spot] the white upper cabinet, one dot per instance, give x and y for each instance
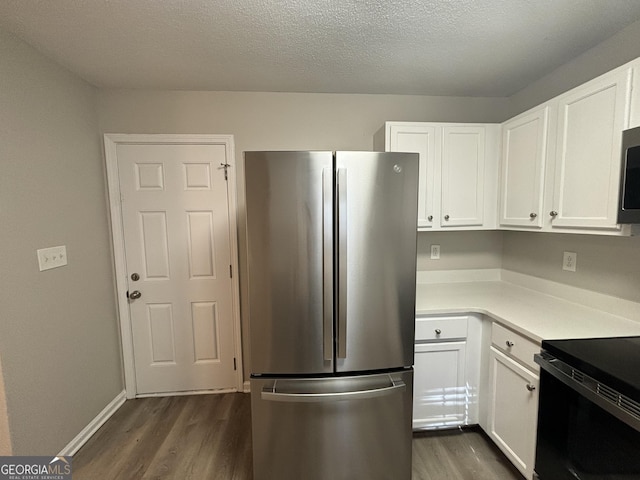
(524, 153)
(407, 137)
(587, 160)
(458, 171)
(560, 163)
(463, 164)
(557, 168)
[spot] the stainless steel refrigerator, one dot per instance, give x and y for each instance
(332, 274)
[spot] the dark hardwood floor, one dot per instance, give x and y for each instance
(209, 437)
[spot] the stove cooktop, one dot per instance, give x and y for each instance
(613, 361)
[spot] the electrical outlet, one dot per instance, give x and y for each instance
(52, 257)
(435, 252)
(569, 261)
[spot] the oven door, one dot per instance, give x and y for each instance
(586, 431)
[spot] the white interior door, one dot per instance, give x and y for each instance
(177, 240)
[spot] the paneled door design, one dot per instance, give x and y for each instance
(177, 247)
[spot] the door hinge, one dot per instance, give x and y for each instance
(231, 271)
(225, 165)
(235, 367)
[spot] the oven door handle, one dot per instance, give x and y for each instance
(611, 401)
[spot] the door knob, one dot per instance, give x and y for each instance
(135, 295)
(533, 215)
(553, 213)
(438, 331)
(446, 217)
(135, 277)
(509, 343)
(531, 387)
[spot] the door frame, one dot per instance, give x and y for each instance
(111, 141)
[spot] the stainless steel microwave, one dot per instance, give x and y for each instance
(629, 210)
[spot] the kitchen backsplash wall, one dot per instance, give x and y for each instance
(604, 264)
(469, 250)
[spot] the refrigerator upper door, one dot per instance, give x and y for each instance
(377, 204)
(289, 212)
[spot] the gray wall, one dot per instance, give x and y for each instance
(288, 121)
(608, 265)
(605, 264)
(460, 250)
(613, 52)
(58, 334)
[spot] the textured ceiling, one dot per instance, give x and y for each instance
(455, 47)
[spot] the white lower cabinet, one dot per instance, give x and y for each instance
(445, 390)
(513, 410)
(440, 395)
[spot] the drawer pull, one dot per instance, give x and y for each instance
(438, 331)
(510, 344)
(531, 387)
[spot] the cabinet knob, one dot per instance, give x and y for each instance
(446, 217)
(531, 387)
(509, 344)
(533, 215)
(430, 218)
(438, 331)
(553, 213)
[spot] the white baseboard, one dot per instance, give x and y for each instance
(183, 393)
(74, 445)
(247, 387)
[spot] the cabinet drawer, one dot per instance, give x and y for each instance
(514, 344)
(440, 328)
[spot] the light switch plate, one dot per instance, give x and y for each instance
(52, 257)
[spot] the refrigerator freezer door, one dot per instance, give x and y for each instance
(341, 428)
(289, 208)
(376, 241)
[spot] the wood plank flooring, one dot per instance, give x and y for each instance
(459, 455)
(209, 437)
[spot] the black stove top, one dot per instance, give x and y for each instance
(614, 361)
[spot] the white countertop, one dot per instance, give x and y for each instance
(533, 313)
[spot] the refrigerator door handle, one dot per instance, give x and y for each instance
(327, 261)
(342, 263)
(271, 393)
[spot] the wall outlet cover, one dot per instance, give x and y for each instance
(435, 252)
(569, 261)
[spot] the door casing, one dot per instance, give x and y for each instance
(111, 141)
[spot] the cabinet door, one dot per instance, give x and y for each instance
(524, 147)
(513, 410)
(440, 393)
(419, 139)
(587, 169)
(463, 163)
